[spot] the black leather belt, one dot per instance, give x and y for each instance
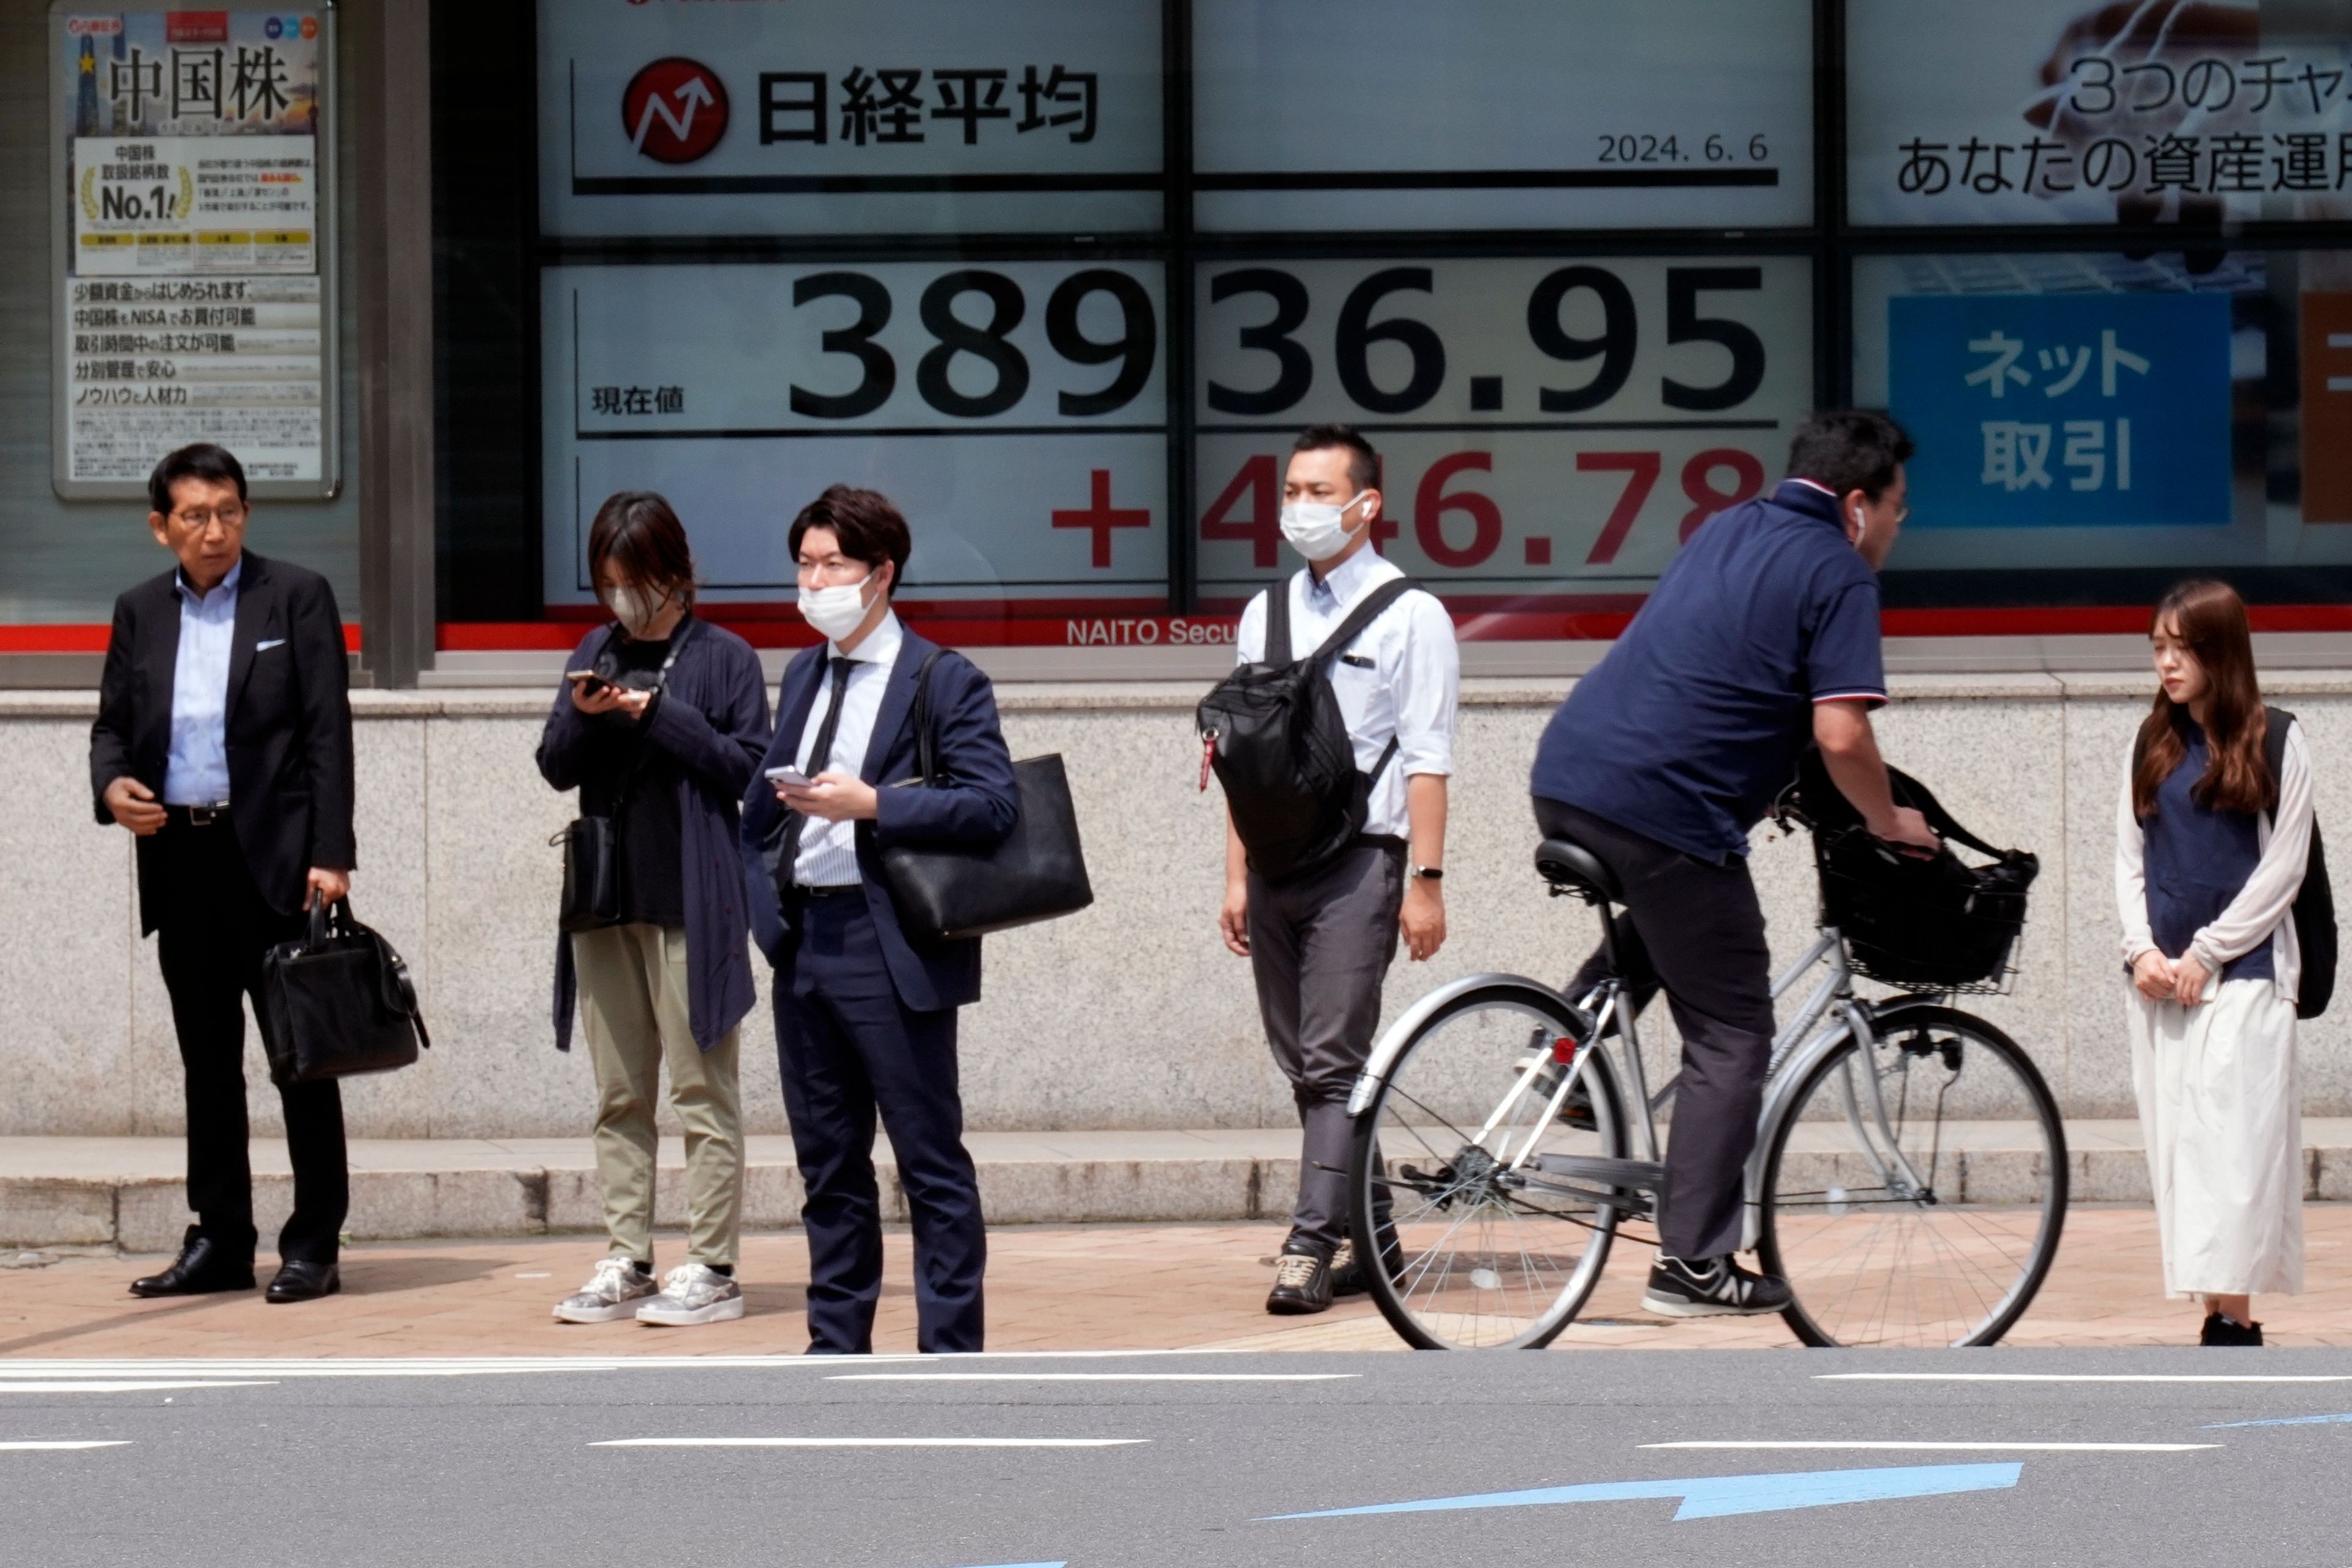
(195, 815)
(833, 892)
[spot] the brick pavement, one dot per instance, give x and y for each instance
(1060, 1287)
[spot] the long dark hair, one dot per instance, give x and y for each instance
(2210, 619)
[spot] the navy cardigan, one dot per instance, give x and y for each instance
(713, 717)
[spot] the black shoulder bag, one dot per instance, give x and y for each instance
(1037, 873)
(592, 844)
(338, 1002)
(1281, 747)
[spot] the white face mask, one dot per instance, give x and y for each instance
(1315, 529)
(835, 612)
(634, 607)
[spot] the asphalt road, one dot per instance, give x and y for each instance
(1103, 1461)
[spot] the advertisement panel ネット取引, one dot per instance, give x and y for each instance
(1015, 412)
(1493, 114)
(1553, 427)
(193, 294)
(848, 116)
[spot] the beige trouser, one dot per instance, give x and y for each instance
(633, 991)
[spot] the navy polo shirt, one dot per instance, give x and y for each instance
(1691, 725)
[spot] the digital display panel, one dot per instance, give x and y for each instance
(1497, 115)
(1553, 427)
(1014, 411)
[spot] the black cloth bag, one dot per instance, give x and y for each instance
(592, 845)
(1926, 922)
(337, 1002)
(1037, 873)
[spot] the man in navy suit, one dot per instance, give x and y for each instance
(865, 1016)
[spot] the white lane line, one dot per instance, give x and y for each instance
(869, 1442)
(2070, 1377)
(1092, 1376)
(58, 1448)
(479, 1367)
(113, 1386)
(1970, 1448)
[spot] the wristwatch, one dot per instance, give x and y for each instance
(1430, 873)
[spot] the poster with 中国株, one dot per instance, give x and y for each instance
(194, 292)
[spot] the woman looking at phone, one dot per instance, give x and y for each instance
(2210, 855)
(659, 722)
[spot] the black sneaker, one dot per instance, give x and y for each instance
(2222, 1330)
(1302, 1284)
(1712, 1287)
(1348, 1275)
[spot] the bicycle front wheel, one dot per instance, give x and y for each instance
(1479, 1247)
(1914, 1189)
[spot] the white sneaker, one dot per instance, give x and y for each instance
(609, 1296)
(693, 1293)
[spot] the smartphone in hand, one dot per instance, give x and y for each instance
(789, 775)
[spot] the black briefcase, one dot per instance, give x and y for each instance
(337, 1002)
(1037, 873)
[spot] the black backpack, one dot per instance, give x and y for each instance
(2314, 901)
(1281, 747)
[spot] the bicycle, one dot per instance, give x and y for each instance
(1876, 1188)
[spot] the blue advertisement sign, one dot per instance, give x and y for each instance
(2064, 411)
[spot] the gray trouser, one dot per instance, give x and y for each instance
(1319, 946)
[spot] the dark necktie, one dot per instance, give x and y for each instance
(819, 758)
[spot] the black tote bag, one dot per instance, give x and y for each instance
(592, 845)
(338, 1002)
(1037, 873)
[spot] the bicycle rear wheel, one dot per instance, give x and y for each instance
(1914, 1190)
(1483, 1250)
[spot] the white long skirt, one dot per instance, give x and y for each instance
(2221, 1110)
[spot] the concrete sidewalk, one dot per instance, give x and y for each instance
(126, 1193)
(1068, 1288)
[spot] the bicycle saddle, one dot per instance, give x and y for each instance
(1568, 865)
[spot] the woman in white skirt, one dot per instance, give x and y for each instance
(2210, 854)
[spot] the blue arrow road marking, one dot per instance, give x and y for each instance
(1713, 1497)
(2284, 1421)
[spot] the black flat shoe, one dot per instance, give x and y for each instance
(304, 1283)
(2222, 1330)
(202, 1268)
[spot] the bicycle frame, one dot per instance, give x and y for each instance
(1829, 1015)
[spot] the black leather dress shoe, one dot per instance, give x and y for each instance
(304, 1283)
(200, 1268)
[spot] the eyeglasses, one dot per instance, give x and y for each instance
(228, 517)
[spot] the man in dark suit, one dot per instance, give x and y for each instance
(224, 743)
(866, 1017)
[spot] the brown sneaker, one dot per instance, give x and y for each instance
(1302, 1284)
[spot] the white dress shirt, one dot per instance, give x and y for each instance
(828, 850)
(1399, 679)
(195, 773)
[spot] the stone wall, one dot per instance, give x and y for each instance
(1131, 1014)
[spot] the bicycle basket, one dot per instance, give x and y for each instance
(1921, 923)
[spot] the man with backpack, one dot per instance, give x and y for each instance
(1334, 739)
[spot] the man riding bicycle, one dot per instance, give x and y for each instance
(1762, 632)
